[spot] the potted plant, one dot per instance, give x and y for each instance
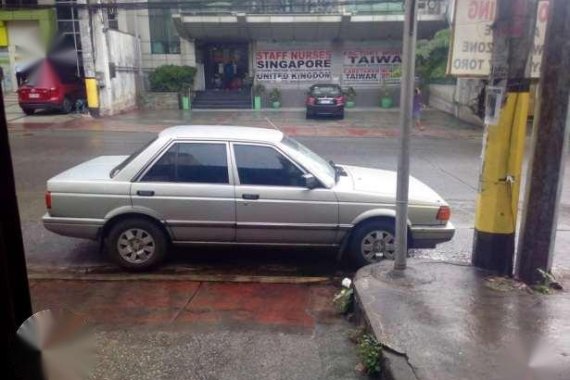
(275, 98)
(350, 95)
(386, 99)
(258, 91)
(174, 78)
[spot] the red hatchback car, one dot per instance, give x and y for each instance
(50, 88)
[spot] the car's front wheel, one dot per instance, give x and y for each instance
(136, 244)
(372, 242)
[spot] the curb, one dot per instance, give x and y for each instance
(82, 275)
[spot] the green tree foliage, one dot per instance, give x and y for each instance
(431, 56)
(172, 78)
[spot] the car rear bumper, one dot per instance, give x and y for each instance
(430, 236)
(40, 105)
(74, 227)
(325, 109)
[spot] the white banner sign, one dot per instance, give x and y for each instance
(362, 66)
(293, 65)
(472, 47)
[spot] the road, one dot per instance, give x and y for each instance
(449, 165)
(154, 329)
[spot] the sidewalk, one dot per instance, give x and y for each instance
(191, 330)
(370, 122)
(448, 322)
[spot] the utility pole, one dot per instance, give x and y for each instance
(503, 149)
(406, 97)
(549, 145)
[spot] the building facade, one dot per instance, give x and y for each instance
(284, 44)
(25, 36)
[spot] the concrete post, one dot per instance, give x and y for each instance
(550, 140)
(406, 100)
(500, 178)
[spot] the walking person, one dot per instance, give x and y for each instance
(417, 109)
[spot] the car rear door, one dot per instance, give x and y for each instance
(191, 188)
(272, 203)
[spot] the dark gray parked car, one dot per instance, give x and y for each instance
(325, 99)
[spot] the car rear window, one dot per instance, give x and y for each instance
(133, 155)
(326, 91)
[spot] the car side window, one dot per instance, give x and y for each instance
(164, 169)
(191, 163)
(262, 165)
(202, 163)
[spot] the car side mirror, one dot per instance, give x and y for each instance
(310, 181)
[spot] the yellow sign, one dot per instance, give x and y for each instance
(3, 34)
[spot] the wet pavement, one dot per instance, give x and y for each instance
(203, 330)
(450, 322)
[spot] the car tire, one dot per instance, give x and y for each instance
(28, 111)
(66, 106)
(308, 115)
(341, 115)
(369, 240)
(136, 244)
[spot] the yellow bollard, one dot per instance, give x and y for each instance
(92, 96)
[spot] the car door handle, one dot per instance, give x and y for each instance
(145, 193)
(250, 196)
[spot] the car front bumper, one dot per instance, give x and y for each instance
(74, 227)
(430, 236)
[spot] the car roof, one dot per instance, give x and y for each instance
(223, 132)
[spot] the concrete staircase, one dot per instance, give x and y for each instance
(218, 99)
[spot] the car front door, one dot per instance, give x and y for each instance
(273, 205)
(191, 188)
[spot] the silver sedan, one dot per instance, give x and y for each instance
(236, 185)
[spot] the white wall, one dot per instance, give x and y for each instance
(118, 93)
(457, 99)
(123, 87)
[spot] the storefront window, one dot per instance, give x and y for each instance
(163, 36)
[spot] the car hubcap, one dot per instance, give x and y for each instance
(136, 245)
(377, 245)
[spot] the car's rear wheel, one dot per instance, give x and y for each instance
(308, 115)
(136, 244)
(341, 115)
(372, 242)
(66, 106)
(28, 111)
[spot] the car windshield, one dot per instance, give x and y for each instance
(326, 91)
(127, 160)
(312, 161)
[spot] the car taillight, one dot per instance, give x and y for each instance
(48, 200)
(444, 213)
(339, 100)
(311, 100)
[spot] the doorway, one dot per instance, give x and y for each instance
(226, 66)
